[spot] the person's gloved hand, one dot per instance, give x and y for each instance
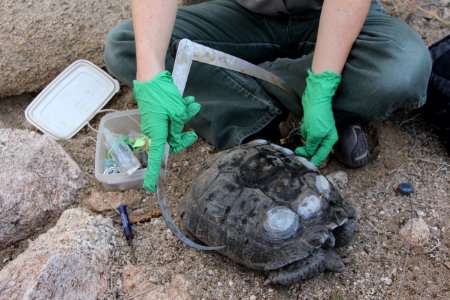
(318, 126)
(163, 115)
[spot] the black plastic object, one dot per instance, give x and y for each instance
(125, 222)
(405, 188)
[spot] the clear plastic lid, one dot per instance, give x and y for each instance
(71, 99)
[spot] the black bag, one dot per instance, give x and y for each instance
(437, 108)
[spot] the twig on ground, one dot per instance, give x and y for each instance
(438, 169)
(435, 247)
(92, 139)
(63, 144)
(117, 211)
(371, 224)
(363, 240)
(408, 120)
(111, 286)
(140, 294)
(430, 161)
(434, 15)
(397, 171)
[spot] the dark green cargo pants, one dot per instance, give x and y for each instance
(388, 67)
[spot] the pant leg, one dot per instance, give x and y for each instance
(388, 68)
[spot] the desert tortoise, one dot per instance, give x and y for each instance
(272, 210)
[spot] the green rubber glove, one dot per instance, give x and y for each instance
(318, 126)
(163, 115)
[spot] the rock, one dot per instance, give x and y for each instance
(142, 215)
(415, 232)
(138, 283)
(386, 280)
(70, 261)
(402, 9)
(38, 181)
(44, 37)
(141, 212)
(103, 201)
(446, 13)
(41, 38)
(136, 279)
(420, 213)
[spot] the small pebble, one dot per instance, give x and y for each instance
(386, 280)
(415, 232)
(420, 213)
(405, 188)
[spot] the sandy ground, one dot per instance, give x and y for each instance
(383, 266)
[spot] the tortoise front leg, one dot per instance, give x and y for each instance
(309, 267)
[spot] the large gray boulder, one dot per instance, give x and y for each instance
(38, 181)
(70, 261)
(39, 39)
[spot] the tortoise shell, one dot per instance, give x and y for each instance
(269, 208)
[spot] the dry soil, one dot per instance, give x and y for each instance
(383, 265)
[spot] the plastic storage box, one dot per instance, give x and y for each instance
(123, 122)
(73, 98)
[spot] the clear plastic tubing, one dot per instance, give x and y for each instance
(120, 152)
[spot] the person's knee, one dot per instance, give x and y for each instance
(400, 68)
(406, 79)
(408, 64)
(110, 52)
(119, 52)
(396, 78)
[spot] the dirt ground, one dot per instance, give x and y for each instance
(382, 265)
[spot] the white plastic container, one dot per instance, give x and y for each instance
(123, 122)
(73, 98)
